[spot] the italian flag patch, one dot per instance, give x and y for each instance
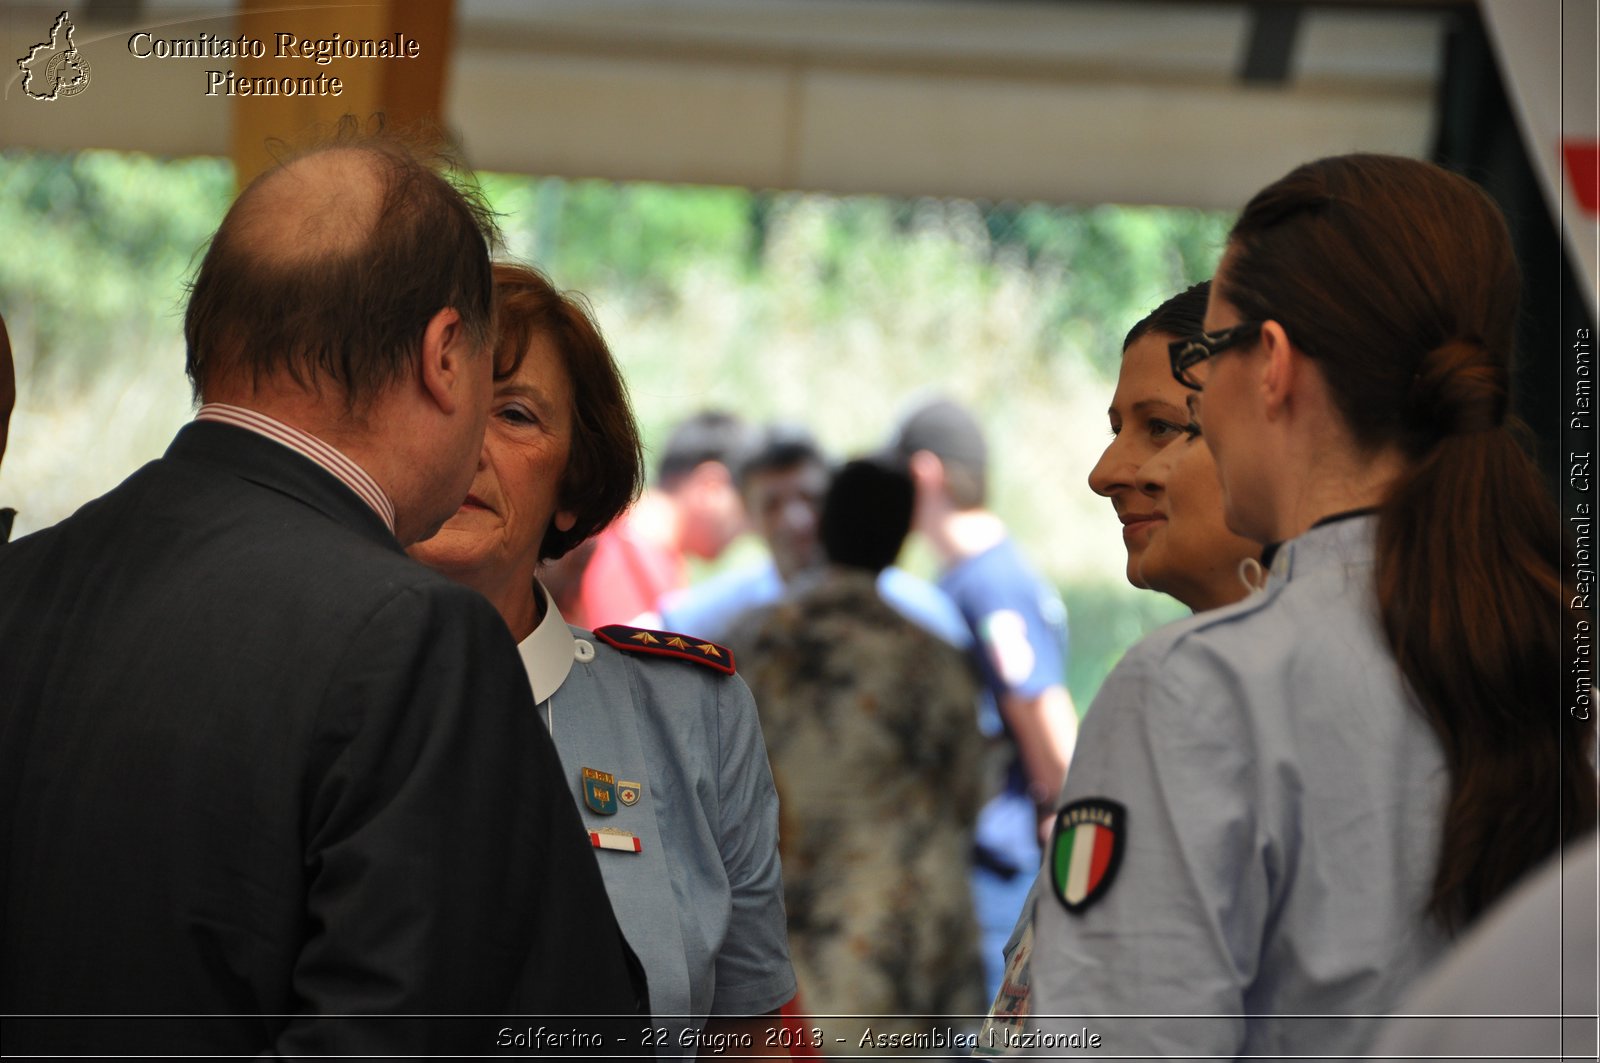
(1085, 849)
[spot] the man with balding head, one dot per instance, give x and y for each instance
(254, 763)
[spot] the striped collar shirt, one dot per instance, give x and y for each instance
(308, 446)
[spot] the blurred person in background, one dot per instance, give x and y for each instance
(1019, 629)
(694, 510)
(782, 483)
(659, 740)
(870, 724)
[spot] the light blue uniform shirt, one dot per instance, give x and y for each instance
(701, 903)
(1283, 801)
(1522, 982)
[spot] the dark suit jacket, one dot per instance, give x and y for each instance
(255, 762)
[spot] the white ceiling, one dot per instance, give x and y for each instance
(1075, 101)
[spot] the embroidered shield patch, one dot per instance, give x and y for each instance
(600, 791)
(1086, 849)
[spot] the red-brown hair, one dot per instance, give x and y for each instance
(605, 467)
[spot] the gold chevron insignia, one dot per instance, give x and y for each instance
(646, 638)
(678, 642)
(708, 649)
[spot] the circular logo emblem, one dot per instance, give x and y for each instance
(67, 74)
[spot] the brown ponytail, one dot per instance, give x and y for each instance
(1397, 278)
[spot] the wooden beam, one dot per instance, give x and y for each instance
(413, 90)
(316, 64)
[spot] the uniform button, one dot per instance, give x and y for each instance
(583, 650)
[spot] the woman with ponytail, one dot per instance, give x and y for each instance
(1281, 812)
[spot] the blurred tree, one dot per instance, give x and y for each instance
(97, 249)
(779, 304)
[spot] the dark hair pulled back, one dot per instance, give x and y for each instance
(1182, 315)
(1398, 280)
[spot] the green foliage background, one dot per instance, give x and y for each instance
(831, 311)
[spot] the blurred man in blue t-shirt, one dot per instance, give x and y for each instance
(1019, 629)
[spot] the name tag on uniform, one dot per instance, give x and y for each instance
(612, 838)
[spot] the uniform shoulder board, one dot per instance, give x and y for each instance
(667, 644)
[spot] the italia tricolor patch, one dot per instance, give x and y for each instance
(1085, 850)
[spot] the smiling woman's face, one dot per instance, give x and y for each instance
(1147, 414)
(1189, 551)
(494, 537)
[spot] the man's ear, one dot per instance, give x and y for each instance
(445, 348)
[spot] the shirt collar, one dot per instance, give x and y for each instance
(1344, 540)
(548, 650)
(309, 447)
(1270, 551)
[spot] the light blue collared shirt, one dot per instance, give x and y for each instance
(701, 902)
(1283, 801)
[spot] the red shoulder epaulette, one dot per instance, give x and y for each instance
(667, 644)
